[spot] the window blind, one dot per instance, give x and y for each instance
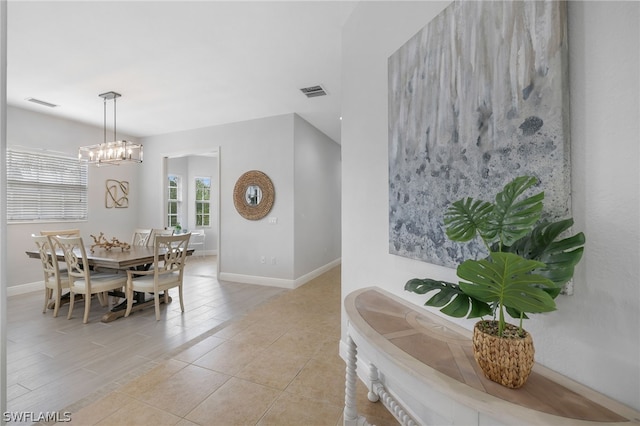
(43, 187)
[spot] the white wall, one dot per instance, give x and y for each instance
(33, 130)
(264, 144)
(593, 337)
(317, 198)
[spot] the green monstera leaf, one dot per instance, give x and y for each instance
(507, 280)
(513, 218)
(509, 219)
(560, 257)
(465, 218)
(449, 297)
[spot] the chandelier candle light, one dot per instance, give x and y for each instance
(115, 152)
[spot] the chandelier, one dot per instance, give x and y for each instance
(113, 152)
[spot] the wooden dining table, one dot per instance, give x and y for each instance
(136, 257)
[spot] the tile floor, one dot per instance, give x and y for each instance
(54, 362)
(276, 364)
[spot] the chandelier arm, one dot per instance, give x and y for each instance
(115, 138)
(105, 120)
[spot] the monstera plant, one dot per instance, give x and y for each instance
(526, 264)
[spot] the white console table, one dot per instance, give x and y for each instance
(422, 368)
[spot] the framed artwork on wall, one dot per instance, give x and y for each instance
(117, 194)
(477, 97)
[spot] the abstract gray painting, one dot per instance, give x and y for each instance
(476, 98)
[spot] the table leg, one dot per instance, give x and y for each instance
(139, 303)
(350, 414)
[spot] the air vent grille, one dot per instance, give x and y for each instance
(43, 103)
(313, 91)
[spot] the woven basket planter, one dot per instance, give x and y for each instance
(504, 360)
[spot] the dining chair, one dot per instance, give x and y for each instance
(158, 231)
(197, 242)
(169, 256)
(63, 232)
(81, 279)
(55, 280)
(140, 237)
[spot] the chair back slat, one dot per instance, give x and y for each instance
(47, 256)
(140, 237)
(155, 232)
(170, 252)
(74, 255)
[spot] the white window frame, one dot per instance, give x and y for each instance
(45, 187)
(202, 202)
(177, 200)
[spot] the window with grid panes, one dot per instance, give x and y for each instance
(173, 200)
(45, 187)
(203, 201)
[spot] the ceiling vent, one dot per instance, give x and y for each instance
(313, 91)
(43, 103)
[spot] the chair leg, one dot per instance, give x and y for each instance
(100, 297)
(71, 300)
(180, 294)
(87, 306)
(47, 296)
(129, 295)
(58, 301)
(156, 299)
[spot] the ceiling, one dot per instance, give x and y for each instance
(178, 65)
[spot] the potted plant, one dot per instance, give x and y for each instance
(528, 263)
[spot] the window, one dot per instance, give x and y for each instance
(173, 207)
(45, 187)
(203, 202)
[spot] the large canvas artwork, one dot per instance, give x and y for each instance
(476, 98)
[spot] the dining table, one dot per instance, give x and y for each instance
(132, 258)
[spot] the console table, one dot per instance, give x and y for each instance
(421, 367)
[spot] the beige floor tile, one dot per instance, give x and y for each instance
(185, 422)
(137, 413)
(154, 376)
(229, 357)
(261, 333)
(237, 402)
(199, 349)
(330, 351)
(183, 391)
(234, 328)
(273, 368)
(299, 342)
(294, 410)
(320, 380)
(100, 409)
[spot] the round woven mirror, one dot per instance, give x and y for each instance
(253, 195)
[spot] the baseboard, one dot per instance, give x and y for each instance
(314, 274)
(279, 282)
(253, 279)
(25, 288)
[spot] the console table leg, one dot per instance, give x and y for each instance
(350, 414)
(373, 379)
